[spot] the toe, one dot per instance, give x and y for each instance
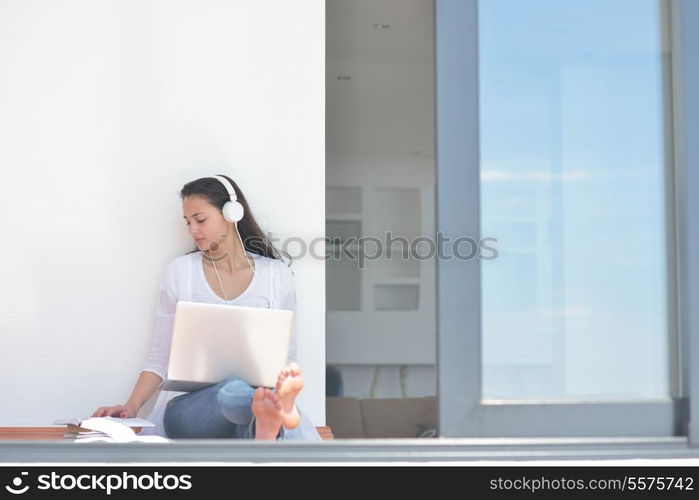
(276, 402)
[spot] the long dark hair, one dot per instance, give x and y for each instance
(254, 240)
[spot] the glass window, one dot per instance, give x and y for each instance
(573, 158)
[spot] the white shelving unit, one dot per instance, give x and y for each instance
(343, 217)
(384, 313)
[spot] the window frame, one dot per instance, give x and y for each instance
(462, 412)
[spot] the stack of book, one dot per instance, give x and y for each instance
(107, 430)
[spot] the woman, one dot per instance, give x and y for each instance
(234, 263)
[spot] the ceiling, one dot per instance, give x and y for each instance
(379, 82)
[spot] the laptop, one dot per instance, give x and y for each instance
(211, 342)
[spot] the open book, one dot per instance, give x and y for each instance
(107, 429)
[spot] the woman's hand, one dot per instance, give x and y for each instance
(122, 411)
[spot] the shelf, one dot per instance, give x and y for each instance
(344, 229)
(399, 297)
(343, 217)
(397, 281)
(351, 246)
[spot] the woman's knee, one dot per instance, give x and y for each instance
(233, 385)
(235, 400)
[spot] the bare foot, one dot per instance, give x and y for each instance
(289, 384)
(268, 412)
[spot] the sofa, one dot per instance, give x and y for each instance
(354, 418)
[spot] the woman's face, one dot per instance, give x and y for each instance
(205, 222)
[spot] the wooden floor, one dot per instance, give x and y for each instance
(56, 433)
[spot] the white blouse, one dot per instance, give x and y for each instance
(272, 286)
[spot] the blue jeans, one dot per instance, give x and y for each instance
(222, 410)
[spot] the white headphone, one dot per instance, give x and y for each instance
(232, 210)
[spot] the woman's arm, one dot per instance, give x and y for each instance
(146, 385)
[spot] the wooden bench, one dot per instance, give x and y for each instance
(56, 433)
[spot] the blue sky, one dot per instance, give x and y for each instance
(572, 184)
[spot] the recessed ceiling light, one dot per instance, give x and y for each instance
(382, 26)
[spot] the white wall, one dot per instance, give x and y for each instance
(106, 109)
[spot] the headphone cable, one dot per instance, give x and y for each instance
(247, 258)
